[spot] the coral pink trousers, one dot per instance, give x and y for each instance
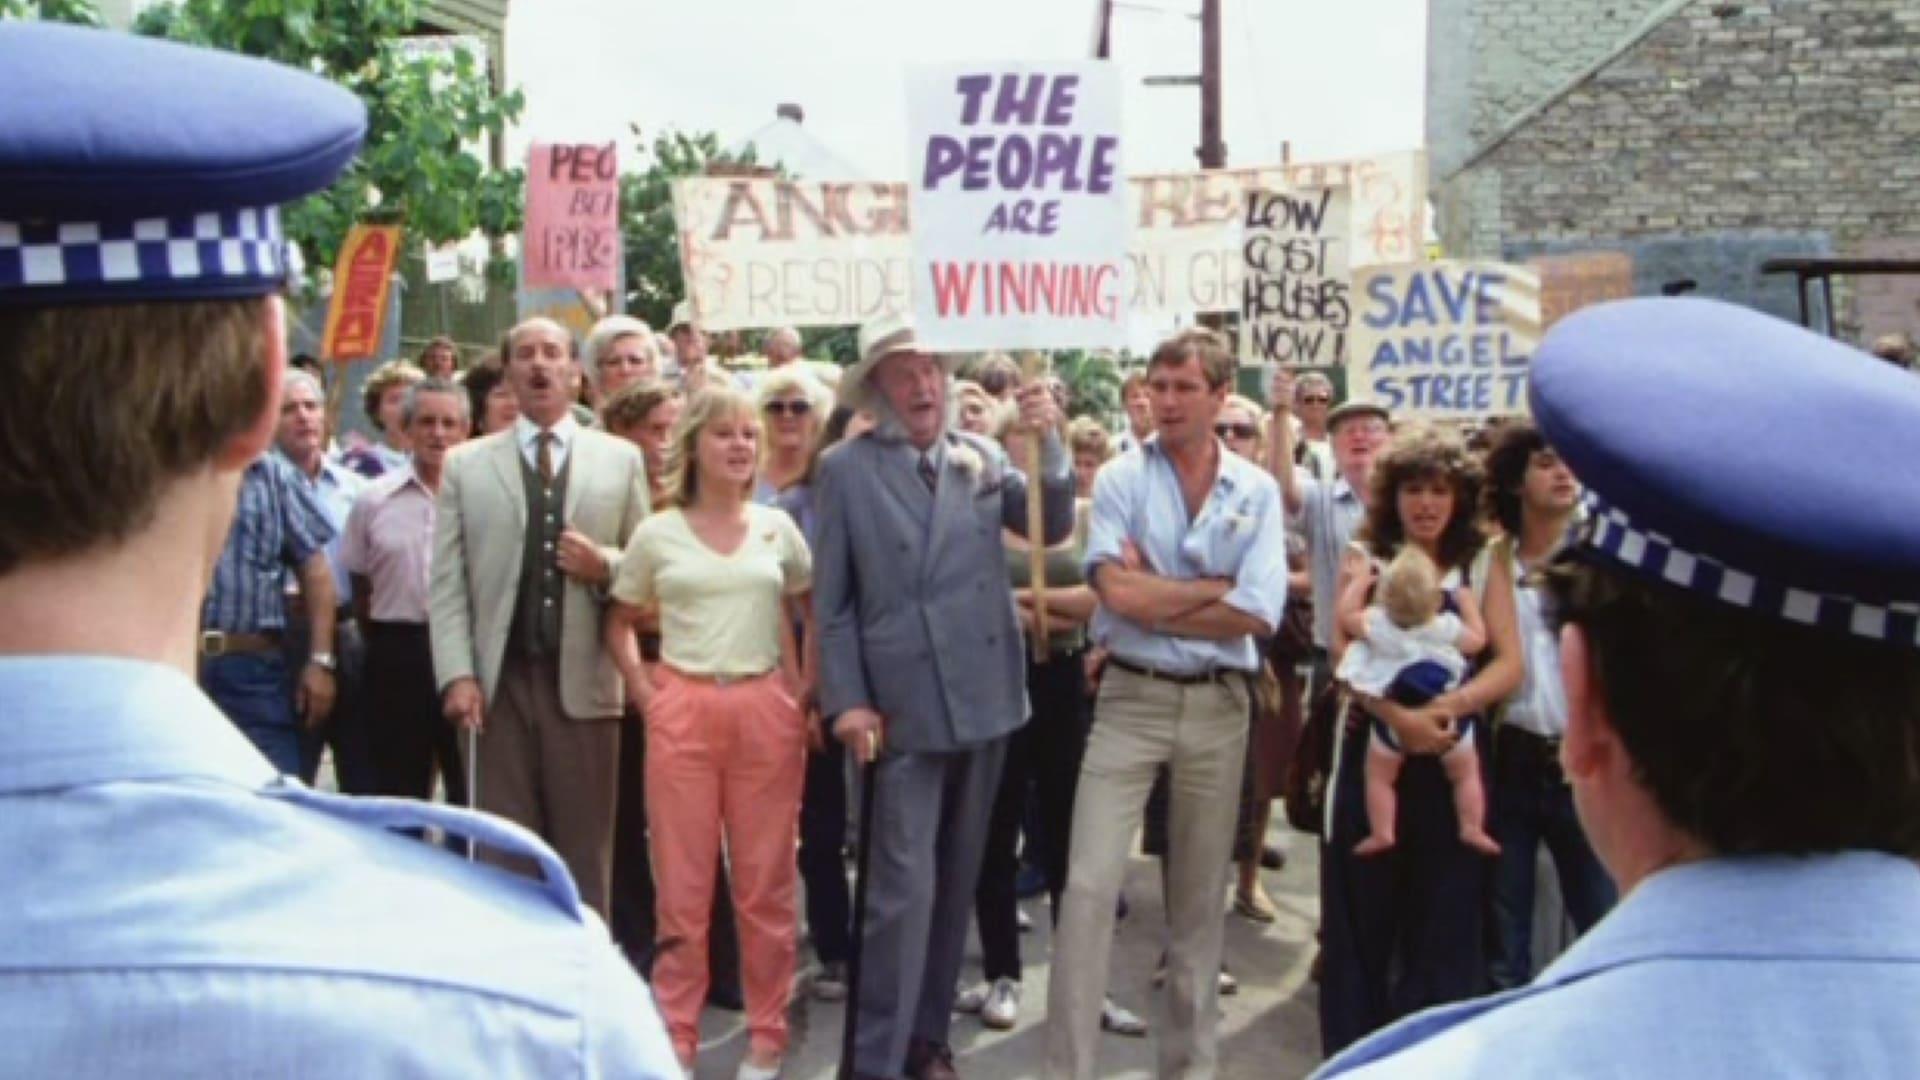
(724, 760)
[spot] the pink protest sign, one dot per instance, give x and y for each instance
(572, 235)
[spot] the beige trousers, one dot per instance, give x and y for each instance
(1140, 723)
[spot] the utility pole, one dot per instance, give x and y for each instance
(1213, 149)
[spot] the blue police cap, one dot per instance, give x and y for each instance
(138, 169)
(1742, 458)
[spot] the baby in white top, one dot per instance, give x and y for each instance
(1407, 648)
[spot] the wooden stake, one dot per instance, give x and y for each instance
(1034, 370)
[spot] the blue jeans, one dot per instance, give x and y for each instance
(1531, 804)
(256, 693)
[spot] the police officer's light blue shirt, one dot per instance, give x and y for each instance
(172, 908)
(1730, 968)
(1239, 534)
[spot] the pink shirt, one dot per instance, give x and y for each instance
(389, 541)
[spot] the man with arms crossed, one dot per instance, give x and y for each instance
(1187, 551)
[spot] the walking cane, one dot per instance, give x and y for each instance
(859, 914)
(473, 781)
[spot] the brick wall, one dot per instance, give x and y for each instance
(1718, 132)
(1489, 60)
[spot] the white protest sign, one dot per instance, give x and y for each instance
(1446, 340)
(761, 252)
(1020, 205)
(1294, 308)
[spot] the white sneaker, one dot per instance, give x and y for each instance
(972, 999)
(750, 1071)
(1002, 1006)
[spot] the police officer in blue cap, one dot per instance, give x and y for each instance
(172, 906)
(1741, 614)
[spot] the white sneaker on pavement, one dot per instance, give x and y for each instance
(971, 999)
(1002, 1006)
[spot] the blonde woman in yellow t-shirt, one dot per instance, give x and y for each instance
(726, 740)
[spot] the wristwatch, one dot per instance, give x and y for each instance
(324, 660)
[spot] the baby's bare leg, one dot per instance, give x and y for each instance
(1383, 768)
(1462, 766)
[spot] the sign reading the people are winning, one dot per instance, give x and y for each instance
(1445, 340)
(1019, 206)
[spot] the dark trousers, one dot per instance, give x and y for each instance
(1044, 756)
(631, 902)
(1532, 804)
(255, 692)
(823, 841)
(1400, 931)
(345, 729)
(408, 738)
(632, 919)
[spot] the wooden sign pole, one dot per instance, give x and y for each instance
(1034, 370)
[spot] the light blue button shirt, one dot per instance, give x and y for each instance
(335, 489)
(1239, 534)
(1721, 970)
(172, 908)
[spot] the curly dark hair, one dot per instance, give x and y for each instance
(1752, 734)
(1420, 453)
(1506, 465)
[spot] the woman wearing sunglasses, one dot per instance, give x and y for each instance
(793, 405)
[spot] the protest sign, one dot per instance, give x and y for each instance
(1020, 206)
(1444, 341)
(361, 277)
(761, 252)
(1294, 308)
(572, 235)
(1573, 281)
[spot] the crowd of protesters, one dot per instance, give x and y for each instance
(643, 680)
(654, 616)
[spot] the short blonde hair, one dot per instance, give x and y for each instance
(1085, 435)
(384, 378)
(682, 484)
(1410, 588)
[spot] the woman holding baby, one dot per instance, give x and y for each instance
(1403, 888)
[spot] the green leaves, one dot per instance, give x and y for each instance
(646, 202)
(77, 12)
(428, 116)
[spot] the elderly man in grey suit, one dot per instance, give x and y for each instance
(921, 669)
(528, 530)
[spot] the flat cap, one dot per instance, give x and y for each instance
(1742, 458)
(138, 169)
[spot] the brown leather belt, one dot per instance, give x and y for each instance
(220, 643)
(1217, 675)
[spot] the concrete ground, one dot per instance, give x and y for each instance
(1269, 1030)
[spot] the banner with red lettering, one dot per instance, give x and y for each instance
(358, 312)
(760, 252)
(1019, 206)
(1445, 340)
(572, 238)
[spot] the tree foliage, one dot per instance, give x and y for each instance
(78, 12)
(647, 226)
(427, 116)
